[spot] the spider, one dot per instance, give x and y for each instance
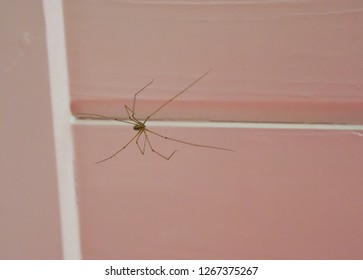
(141, 128)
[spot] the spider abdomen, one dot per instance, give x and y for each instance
(139, 126)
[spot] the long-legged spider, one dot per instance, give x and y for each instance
(140, 126)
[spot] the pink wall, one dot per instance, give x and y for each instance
(29, 208)
(285, 194)
(272, 61)
(290, 192)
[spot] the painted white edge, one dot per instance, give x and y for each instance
(58, 75)
(226, 124)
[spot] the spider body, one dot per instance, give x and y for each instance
(139, 126)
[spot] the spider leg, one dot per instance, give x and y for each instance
(188, 143)
(144, 142)
(179, 93)
(142, 150)
(114, 154)
(101, 117)
(130, 114)
(156, 152)
(134, 101)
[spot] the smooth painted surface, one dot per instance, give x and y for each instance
(61, 115)
(29, 208)
(285, 194)
(272, 61)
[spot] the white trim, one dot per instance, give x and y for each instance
(349, 127)
(58, 76)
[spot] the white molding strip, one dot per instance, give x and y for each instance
(58, 75)
(350, 127)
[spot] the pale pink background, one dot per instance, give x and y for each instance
(285, 193)
(29, 207)
(283, 61)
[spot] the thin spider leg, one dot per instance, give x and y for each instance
(188, 143)
(156, 152)
(136, 135)
(138, 145)
(101, 117)
(133, 104)
(130, 114)
(171, 99)
(144, 142)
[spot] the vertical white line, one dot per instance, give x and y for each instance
(57, 62)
